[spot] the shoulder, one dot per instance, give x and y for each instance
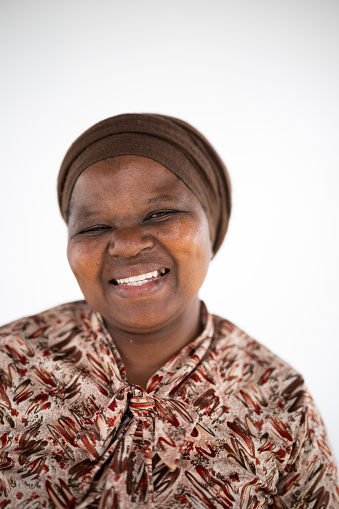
(27, 339)
(261, 386)
(232, 343)
(46, 358)
(269, 404)
(49, 322)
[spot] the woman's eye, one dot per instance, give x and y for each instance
(160, 214)
(94, 229)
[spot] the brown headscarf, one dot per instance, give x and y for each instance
(167, 140)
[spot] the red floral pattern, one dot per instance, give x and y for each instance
(224, 424)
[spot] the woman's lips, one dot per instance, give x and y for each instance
(140, 279)
(140, 285)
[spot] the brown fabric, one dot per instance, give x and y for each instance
(167, 140)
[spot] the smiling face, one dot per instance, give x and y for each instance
(139, 243)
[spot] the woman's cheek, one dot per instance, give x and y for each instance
(84, 259)
(195, 239)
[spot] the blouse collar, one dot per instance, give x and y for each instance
(179, 366)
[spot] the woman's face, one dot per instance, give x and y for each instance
(139, 243)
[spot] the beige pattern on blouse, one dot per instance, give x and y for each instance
(224, 424)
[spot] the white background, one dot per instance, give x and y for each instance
(260, 79)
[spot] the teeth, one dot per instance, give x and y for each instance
(141, 279)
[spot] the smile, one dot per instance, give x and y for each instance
(141, 279)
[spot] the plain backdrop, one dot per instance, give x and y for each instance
(260, 79)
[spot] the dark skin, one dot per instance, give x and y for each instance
(130, 217)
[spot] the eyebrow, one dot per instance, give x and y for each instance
(161, 197)
(82, 215)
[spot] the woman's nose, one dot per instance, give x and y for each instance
(129, 242)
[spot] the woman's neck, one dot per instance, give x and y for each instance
(144, 354)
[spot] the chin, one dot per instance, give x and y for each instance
(139, 324)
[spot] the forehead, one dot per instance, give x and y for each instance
(128, 179)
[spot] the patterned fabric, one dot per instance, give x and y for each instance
(224, 424)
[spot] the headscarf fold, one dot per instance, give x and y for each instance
(169, 141)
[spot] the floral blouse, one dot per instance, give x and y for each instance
(224, 424)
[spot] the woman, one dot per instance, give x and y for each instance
(137, 396)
